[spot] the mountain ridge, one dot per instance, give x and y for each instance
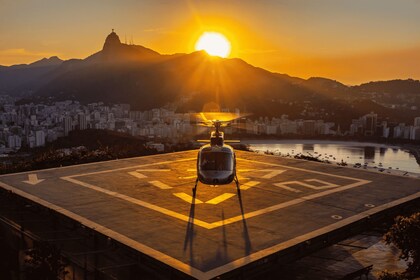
(123, 73)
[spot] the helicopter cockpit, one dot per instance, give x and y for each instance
(216, 161)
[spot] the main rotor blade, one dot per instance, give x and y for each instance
(211, 117)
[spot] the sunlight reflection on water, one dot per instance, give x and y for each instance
(378, 155)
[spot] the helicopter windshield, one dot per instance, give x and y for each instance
(216, 161)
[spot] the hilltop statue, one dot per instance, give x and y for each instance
(112, 40)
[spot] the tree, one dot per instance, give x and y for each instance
(44, 261)
(405, 235)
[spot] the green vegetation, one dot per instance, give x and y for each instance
(405, 235)
(44, 261)
(82, 147)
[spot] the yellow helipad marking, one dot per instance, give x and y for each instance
(222, 222)
(33, 179)
(160, 185)
(220, 198)
(325, 186)
(249, 185)
(137, 202)
(137, 175)
(240, 179)
(154, 170)
(283, 186)
(196, 273)
(191, 170)
(188, 198)
(273, 173)
(164, 258)
(286, 204)
(357, 183)
(187, 177)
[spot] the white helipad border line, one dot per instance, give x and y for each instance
(185, 218)
(300, 169)
(194, 272)
(104, 162)
(132, 167)
(292, 242)
(113, 234)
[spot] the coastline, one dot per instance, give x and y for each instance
(413, 150)
(323, 142)
(394, 172)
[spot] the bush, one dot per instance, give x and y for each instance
(44, 261)
(405, 235)
(385, 275)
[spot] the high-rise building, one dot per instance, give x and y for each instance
(82, 121)
(39, 138)
(417, 121)
(67, 125)
(370, 121)
(11, 141)
(416, 133)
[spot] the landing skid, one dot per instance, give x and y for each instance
(236, 181)
(195, 187)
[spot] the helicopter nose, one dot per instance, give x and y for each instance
(215, 181)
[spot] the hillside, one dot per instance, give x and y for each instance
(393, 87)
(25, 79)
(122, 73)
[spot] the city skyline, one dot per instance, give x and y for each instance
(35, 125)
(352, 42)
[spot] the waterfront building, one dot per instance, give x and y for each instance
(370, 123)
(416, 133)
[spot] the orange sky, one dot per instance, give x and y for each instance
(351, 41)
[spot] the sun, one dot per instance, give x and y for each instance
(213, 43)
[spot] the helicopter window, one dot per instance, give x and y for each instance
(216, 161)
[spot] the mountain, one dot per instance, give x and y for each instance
(123, 73)
(52, 61)
(409, 86)
(146, 79)
(114, 51)
(45, 62)
(25, 79)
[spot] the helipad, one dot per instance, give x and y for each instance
(147, 203)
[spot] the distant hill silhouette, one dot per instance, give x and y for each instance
(25, 79)
(123, 73)
(411, 87)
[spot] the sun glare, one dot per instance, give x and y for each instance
(214, 44)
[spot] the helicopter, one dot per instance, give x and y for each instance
(216, 161)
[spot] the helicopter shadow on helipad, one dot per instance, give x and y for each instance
(222, 253)
(147, 204)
